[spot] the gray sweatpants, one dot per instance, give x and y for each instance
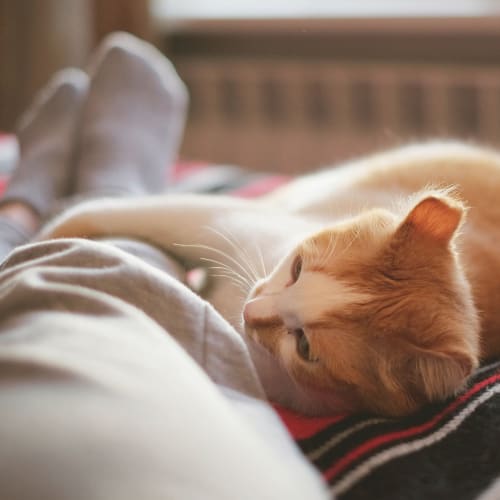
(117, 382)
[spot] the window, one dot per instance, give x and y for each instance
(171, 11)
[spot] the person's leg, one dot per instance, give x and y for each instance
(98, 401)
(46, 134)
(131, 126)
(128, 133)
(132, 120)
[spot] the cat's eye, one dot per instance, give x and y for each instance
(302, 345)
(296, 268)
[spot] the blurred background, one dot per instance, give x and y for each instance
(284, 85)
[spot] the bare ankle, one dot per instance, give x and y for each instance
(22, 214)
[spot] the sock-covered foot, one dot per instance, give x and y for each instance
(132, 120)
(46, 137)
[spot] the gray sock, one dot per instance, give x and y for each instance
(46, 136)
(12, 235)
(132, 120)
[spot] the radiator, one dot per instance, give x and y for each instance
(292, 116)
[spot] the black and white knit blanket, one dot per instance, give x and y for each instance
(449, 450)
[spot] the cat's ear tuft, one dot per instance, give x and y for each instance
(443, 374)
(435, 217)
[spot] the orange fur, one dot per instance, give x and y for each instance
(412, 337)
(388, 304)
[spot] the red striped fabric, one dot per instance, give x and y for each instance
(348, 449)
(411, 432)
(302, 427)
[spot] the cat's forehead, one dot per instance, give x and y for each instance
(317, 296)
(356, 238)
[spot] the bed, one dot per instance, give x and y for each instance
(446, 450)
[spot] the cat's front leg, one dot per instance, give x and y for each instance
(185, 225)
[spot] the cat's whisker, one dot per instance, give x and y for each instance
(319, 251)
(225, 267)
(329, 250)
(229, 273)
(320, 254)
(261, 260)
(242, 286)
(234, 319)
(237, 284)
(258, 260)
(239, 288)
(225, 255)
(259, 274)
(354, 237)
(240, 250)
(236, 278)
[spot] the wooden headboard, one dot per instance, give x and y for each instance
(291, 94)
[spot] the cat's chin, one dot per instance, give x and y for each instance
(282, 389)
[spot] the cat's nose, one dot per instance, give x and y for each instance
(259, 311)
(247, 312)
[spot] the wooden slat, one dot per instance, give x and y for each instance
(121, 15)
(37, 37)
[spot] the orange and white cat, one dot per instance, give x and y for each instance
(374, 286)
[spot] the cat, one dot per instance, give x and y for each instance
(369, 287)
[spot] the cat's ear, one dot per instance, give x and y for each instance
(434, 218)
(442, 374)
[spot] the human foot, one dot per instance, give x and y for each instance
(46, 136)
(132, 120)
(41, 177)
(22, 215)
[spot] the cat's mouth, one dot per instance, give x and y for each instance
(251, 333)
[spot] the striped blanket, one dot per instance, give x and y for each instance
(446, 451)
